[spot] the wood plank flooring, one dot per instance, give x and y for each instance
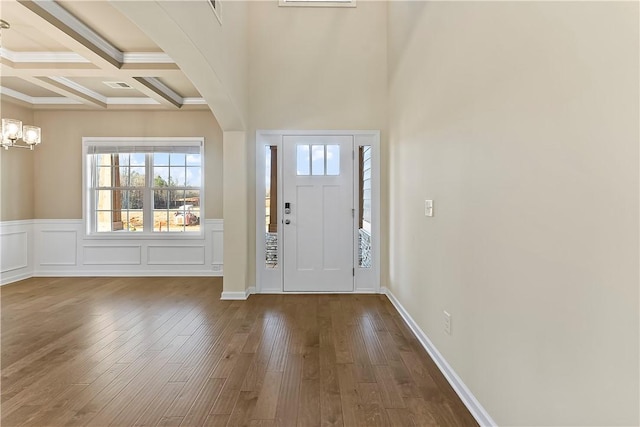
(168, 352)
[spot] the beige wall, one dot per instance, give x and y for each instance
(316, 68)
(235, 214)
(16, 176)
(520, 120)
(58, 161)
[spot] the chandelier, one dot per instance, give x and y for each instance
(14, 134)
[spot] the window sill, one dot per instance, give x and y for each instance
(143, 236)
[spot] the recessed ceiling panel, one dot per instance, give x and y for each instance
(97, 84)
(181, 85)
(81, 83)
(105, 20)
(24, 34)
(25, 87)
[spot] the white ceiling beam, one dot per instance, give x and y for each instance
(155, 89)
(142, 59)
(111, 102)
(89, 55)
(33, 100)
(84, 70)
(71, 85)
(74, 34)
(64, 89)
(42, 57)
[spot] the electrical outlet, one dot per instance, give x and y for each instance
(428, 208)
(447, 322)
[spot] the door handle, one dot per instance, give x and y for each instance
(287, 221)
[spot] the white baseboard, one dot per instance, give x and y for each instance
(229, 296)
(128, 273)
(7, 279)
(479, 413)
(241, 296)
(280, 292)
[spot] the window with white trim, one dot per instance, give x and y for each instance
(143, 186)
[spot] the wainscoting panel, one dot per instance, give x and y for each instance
(217, 245)
(175, 254)
(57, 247)
(15, 251)
(60, 248)
(112, 254)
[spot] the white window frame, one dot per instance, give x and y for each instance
(317, 3)
(88, 196)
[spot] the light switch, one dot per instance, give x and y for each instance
(428, 208)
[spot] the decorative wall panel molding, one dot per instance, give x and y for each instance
(14, 250)
(175, 254)
(60, 248)
(57, 247)
(112, 254)
(16, 243)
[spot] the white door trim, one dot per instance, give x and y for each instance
(270, 280)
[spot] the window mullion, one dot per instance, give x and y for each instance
(92, 198)
(148, 194)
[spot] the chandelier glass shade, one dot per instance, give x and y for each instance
(14, 134)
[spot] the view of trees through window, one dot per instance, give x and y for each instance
(127, 201)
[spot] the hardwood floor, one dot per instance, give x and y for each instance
(168, 352)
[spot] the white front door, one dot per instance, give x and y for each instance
(318, 229)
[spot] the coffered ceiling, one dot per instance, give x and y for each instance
(86, 54)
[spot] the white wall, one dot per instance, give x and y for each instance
(520, 120)
(316, 68)
(223, 44)
(211, 52)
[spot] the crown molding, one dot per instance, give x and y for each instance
(38, 100)
(15, 94)
(194, 101)
(42, 57)
(131, 101)
(60, 100)
(55, 101)
(79, 88)
(147, 58)
(74, 58)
